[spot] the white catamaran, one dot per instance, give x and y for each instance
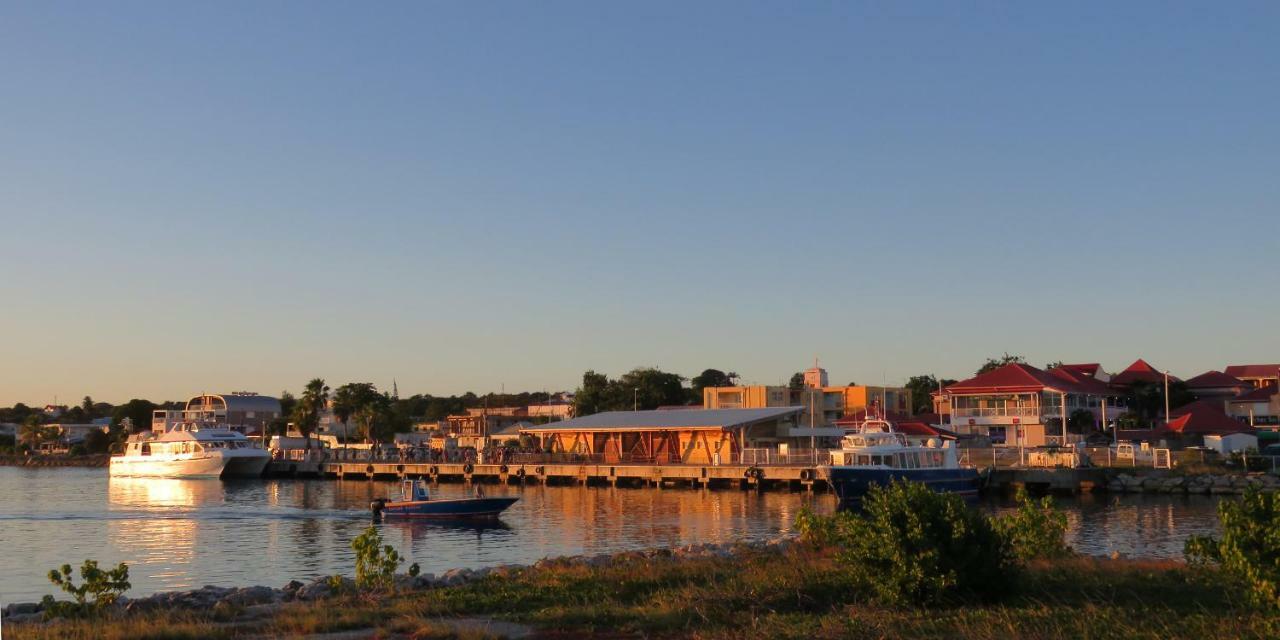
(190, 450)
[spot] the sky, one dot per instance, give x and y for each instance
(208, 197)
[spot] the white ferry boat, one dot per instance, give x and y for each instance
(873, 453)
(190, 450)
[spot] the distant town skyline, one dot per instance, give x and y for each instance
(205, 198)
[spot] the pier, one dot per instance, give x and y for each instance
(757, 477)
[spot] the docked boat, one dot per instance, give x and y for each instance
(416, 502)
(190, 450)
(874, 453)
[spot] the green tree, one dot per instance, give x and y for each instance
(649, 388)
(351, 398)
(1249, 549)
(97, 441)
(922, 389)
(138, 412)
(995, 363)
(1080, 421)
(306, 414)
(33, 432)
(797, 381)
(592, 396)
(87, 406)
(709, 378)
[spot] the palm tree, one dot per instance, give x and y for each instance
(32, 432)
(349, 399)
(309, 407)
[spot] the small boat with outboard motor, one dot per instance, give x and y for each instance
(874, 453)
(416, 502)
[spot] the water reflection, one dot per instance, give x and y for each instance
(187, 533)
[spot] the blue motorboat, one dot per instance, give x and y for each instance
(874, 453)
(416, 502)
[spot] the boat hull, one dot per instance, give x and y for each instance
(461, 509)
(241, 463)
(851, 484)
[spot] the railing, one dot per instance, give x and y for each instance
(1000, 412)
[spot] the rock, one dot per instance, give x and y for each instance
(21, 608)
(292, 587)
(246, 596)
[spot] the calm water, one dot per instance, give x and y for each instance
(180, 534)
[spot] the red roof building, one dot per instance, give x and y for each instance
(1258, 407)
(1203, 417)
(1020, 404)
(1259, 375)
(1139, 371)
(1217, 387)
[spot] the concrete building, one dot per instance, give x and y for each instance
(693, 436)
(821, 403)
(1258, 408)
(1258, 375)
(241, 410)
(1018, 404)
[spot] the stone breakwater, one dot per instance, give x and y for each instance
(1203, 484)
(260, 601)
(95, 461)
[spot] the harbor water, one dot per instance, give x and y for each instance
(184, 534)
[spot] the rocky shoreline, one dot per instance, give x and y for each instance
(1203, 484)
(96, 461)
(257, 601)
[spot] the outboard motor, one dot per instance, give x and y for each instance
(377, 506)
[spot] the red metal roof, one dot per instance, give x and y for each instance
(1204, 417)
(921, 429)
(1253, 370)
(1024, 378)
(1139, 370)
(1213, 380)
(1083, 383)
(1089, 369)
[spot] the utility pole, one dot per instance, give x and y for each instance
(635, 398)
(1166, 398)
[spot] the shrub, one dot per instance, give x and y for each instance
(76, 450)
(376, 563)
(1034, 530)
(105, 587)
(912, 545)
(1249, 550)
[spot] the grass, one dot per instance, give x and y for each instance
(801, 594)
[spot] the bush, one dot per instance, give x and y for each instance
(1034, 530)
(912, 545)
(376, 563)
(1249, 550)
(106, 587)
(77, 450)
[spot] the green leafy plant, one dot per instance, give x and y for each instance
(1249, 549)
(105, 588)
(911, 545)
(1035, 530)
(376, 563)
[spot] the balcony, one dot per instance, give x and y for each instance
(1001, 412)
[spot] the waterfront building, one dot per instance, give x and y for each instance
(1217, 386)
(1258, 375)
(1090, 369)
(1258, 408)
(822, 403)
(242, 411)
(479, 425)
(73, 433)
(1139, 372)
(1019, 404)
(692, 436)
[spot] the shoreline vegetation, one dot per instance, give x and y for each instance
(911, 564)
(779, 589)
(93, 460)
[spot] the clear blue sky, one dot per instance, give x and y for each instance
(470, 195)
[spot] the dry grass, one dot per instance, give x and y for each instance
(799, 595)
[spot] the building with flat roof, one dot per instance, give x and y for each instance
(691, 436)
(821, 403)
(241, 410)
